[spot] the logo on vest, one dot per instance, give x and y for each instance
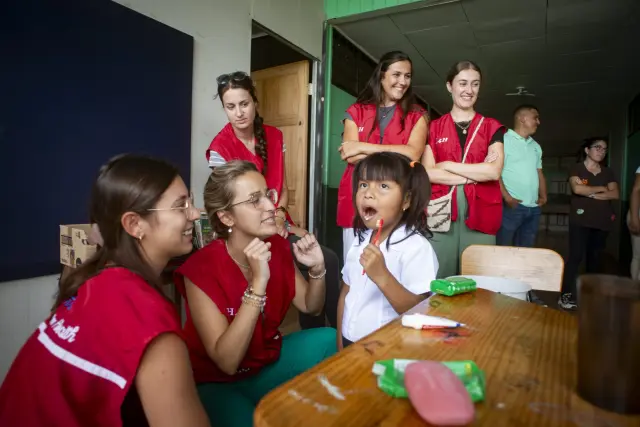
(441, 140)
(232, 311)
(67, 333)
(361, 129)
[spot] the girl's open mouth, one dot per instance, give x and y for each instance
(368, 213)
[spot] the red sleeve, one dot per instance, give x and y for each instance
(218, 145)
(492, 127)
(416, 113)
(200, 269)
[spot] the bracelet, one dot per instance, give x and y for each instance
(253, 302)
(251, 291)
(319, 276)
(250, 294)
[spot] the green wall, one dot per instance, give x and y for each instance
(340, 101)
(334, 166)
(341, 8)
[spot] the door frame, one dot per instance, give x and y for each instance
(314, 137)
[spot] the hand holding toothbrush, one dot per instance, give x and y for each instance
(372, 259)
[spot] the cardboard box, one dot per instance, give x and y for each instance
(74, 244)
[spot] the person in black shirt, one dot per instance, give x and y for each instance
(591, 217)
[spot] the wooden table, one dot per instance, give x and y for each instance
(528, 354)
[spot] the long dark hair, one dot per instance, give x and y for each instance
(374, 94)
(412, 179)
(241, 80)
(219, 192)
(581, 155)
(127, 183)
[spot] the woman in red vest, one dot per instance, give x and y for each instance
(247, 138)
(470, 182)
(385, 117)
(238, 290)
(111, 353)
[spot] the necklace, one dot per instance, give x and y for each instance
(239, 264)
(464, 128)
(384, 111)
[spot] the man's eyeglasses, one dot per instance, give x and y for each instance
(182, 206)
(599, 148)
(256, 198)
(236, 76)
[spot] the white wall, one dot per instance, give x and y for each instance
(23, 305)
(222, 33)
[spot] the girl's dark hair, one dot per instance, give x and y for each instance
(219, 192)
(461, 66)
(413, 181)
(374, 94)
(241, 80)
(588, 143)
(127, 183)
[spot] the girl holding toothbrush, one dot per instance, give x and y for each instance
(390, 263)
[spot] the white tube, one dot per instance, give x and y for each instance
(422, 321)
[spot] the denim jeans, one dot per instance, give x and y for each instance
(519, 226)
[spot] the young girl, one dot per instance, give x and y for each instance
(247, 138)
(400, 266)
(238, 290)
(111, 353)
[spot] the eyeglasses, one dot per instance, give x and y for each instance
(599, 148)
(184, 206)
(236, 76)
(256, 198)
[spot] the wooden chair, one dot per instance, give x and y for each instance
(542, 269)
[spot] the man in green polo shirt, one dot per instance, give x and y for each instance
(524, 188)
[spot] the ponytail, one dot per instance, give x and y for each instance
(261, 140)
(419, 190)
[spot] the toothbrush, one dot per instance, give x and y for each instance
(376, 239)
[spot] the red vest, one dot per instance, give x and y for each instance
(227, 144)
(364, 115)
(484, 198)
(213, 271)
(79, 365)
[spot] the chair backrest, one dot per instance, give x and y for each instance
(542, 269)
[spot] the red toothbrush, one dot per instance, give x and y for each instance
(376, 239)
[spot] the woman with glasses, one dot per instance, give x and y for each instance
(593, 186)
(238, 290)
(247, 138)
(112, 353)
(385, 117)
